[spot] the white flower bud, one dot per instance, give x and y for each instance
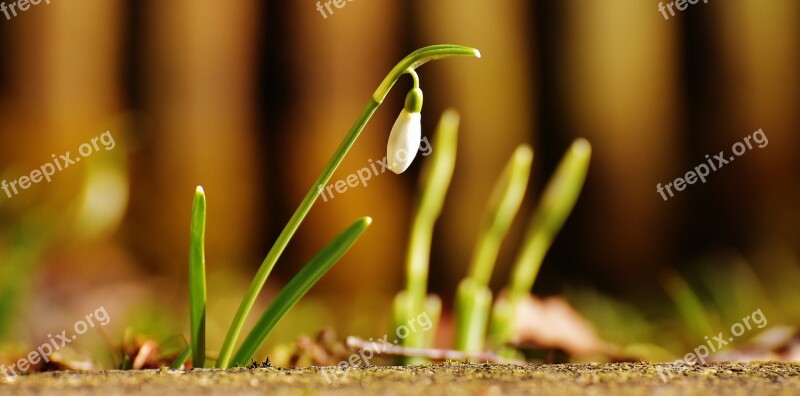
(404, 141)
(406, 134)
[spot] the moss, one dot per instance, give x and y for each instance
(484, 379)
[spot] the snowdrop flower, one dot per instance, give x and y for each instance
(406, 134)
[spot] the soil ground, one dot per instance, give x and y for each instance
(446, 379)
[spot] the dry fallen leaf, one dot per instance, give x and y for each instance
(551, 323)
(780, 343)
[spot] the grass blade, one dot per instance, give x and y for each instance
(298, 286)
(197, 279)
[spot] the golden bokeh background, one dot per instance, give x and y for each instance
(249, 99)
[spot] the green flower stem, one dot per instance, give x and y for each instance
(435, 181)
(414, 77)
(474, 298)
(197, 279)
(298, 286)
(417, 59)
(409, 63)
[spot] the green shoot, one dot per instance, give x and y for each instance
(473, 303)
(557, 202)
(474, 298)
(689, 306)
(407, 65)
(126, 363)
(182, 358)
(435, 181)
(405, 309)
(197, 279)
(298, 286)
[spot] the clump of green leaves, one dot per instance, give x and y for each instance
(555, 205)
(285, 300)
(474, 311)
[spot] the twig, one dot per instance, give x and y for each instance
(430, 353)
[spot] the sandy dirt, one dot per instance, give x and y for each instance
(446, 379)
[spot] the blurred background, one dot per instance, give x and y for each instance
(249, 99)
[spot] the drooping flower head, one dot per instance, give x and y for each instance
(406, 133)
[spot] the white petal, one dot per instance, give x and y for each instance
(404, 141)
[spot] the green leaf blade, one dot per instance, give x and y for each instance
(181, 358)
(197, 279)
(558, 200)
(298, 286)
(502, 208)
